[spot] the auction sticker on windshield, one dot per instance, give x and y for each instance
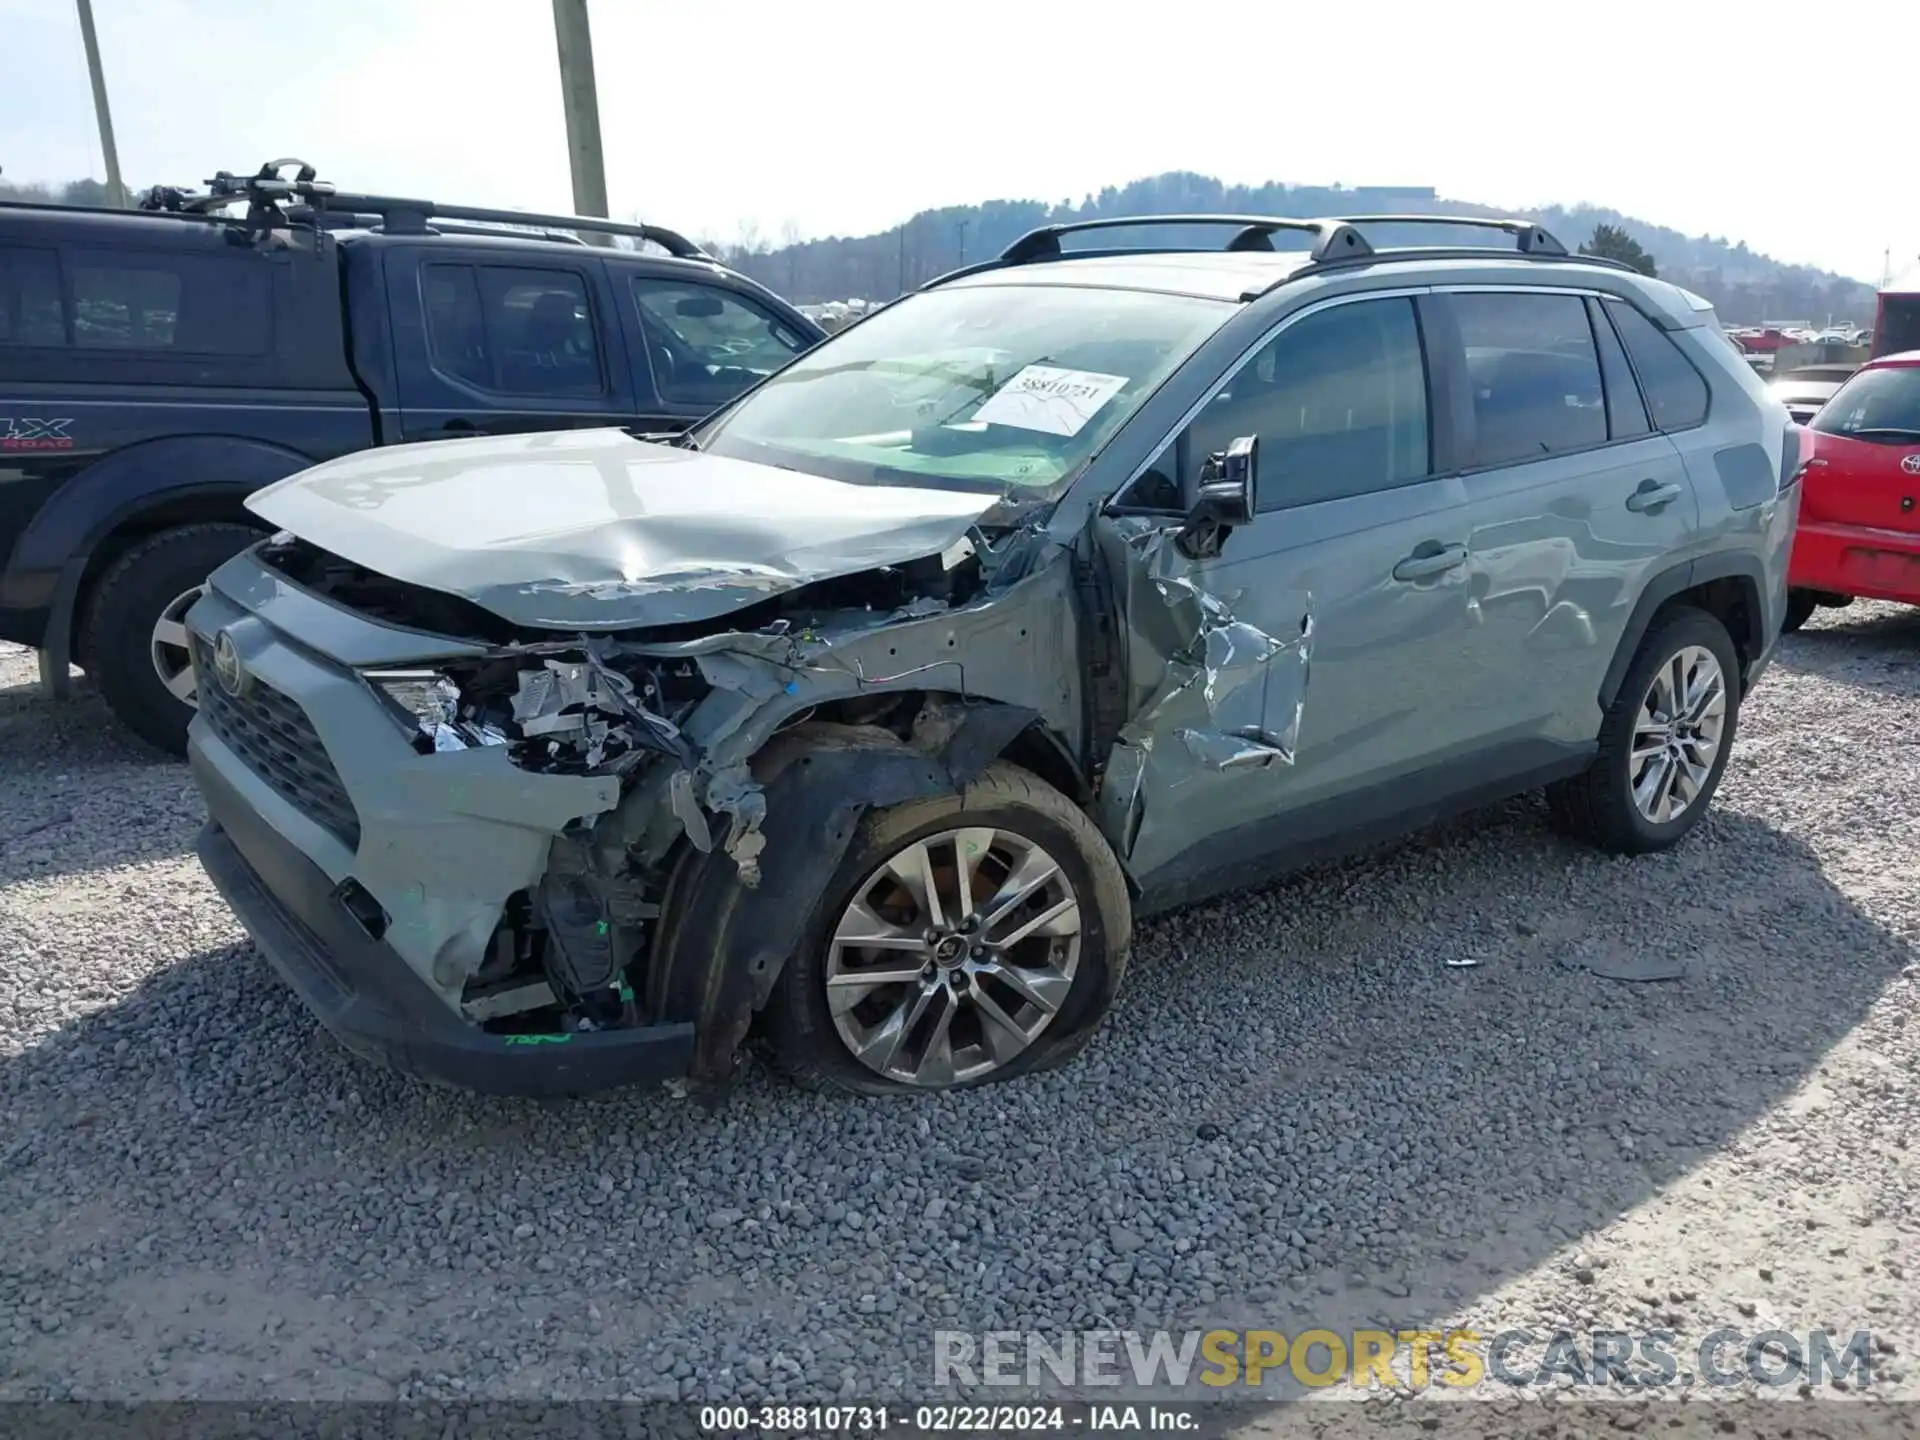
(1050, 400)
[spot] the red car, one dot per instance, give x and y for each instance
(1860, 502)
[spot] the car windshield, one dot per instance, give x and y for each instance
(1881, 404)
(1010, 388)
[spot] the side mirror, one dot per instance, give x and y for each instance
(1226, 497)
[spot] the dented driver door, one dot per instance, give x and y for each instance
(1277, 682)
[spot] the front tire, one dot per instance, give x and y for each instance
(1664, 741)
(964, 939)
(135, 641)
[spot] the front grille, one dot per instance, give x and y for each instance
(272, 734)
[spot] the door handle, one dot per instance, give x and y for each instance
(459, 427)
(1651, 496)
(1425, 567)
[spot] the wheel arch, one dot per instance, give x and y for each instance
(721, 944)
(1730, 586)
(125, 497)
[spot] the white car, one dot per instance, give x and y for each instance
(1805, 388)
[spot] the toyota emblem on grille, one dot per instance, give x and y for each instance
(227, 668)
(1911, 464)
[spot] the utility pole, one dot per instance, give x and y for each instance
(961, 226)
(582, 103)
(116, 192)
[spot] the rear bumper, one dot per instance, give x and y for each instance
(1857, 560)
(367, 995)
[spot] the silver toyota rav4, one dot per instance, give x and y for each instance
(1079, 584)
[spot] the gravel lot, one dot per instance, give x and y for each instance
(1302, 1113)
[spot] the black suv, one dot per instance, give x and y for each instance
(157, 366)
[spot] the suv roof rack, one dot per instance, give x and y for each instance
(1337, 240)
(277, 203)
(1529, 238)
(1332, 238)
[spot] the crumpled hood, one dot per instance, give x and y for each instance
(595, 530)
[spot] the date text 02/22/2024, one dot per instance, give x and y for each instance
(944, 1419)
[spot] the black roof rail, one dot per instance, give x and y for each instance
(1394, 253)
(320, 204)
(1338, 241)
(1332, 238)
(1529, 238)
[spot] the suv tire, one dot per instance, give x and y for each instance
(1599, 805)
(130, 602)
(1800, 607)
(1030, 823)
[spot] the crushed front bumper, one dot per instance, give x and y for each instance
(371, 1000)
(316, 797)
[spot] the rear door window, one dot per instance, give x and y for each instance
(513, 330)
(1676, 393)
(1534, 375)
(707, 344)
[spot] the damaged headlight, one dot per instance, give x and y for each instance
(427, 706)
(573, 713)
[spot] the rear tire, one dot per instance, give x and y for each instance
(131, 626)
(1600, 805)
(1800, 607)
(1017, 809)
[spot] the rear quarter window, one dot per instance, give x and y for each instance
(1675, 392)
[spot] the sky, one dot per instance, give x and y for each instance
(1770, 122)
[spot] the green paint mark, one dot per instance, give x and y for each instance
(602, 927)
(626, 991)
(537, 1039)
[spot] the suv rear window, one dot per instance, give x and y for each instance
(1675, 392)
(1879, 404)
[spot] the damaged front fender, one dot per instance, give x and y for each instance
(721, 945)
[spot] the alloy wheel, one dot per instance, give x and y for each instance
(1677, 734)
(953, 957)
(172, 661)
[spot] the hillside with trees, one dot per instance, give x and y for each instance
(1744, 287)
